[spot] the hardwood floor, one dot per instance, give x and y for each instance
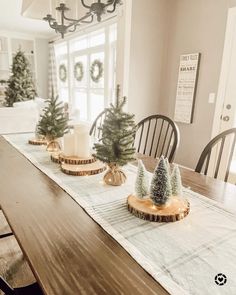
(13, 266)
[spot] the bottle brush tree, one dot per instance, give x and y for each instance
(118, 130)
(176, 184)
(160, 190)
(20, 86)
(141, 183)
(53, 122)
(168, 165)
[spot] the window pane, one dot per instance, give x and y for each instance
(100, 58)
(80, 71)
(79, 44)
(97, 38)
(97, 104)
(61, 49)
(64, 95)
(81, 103)
(62, 72)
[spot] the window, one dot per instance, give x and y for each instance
(92, 52)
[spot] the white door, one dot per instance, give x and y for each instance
(225, 114)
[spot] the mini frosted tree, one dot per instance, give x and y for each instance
(168, 165)
(53, 123)
(20, 84)
(116, 145)
(160, 190)
(141, 183)
(176, 183)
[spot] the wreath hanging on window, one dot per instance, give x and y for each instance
(96, 70)
(62, 73)
(79, 71)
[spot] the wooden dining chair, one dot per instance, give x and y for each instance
(5, 230)
(95, 128)
(13, 265)
(33, 289)
(220, 150)
(157, 135)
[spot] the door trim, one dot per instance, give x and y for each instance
(226, 59)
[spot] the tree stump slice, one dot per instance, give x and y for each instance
(83, 169)
(176, 209)
(35, 141)
(55, 158)
(73, 160)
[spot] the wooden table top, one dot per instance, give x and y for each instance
(68, 252)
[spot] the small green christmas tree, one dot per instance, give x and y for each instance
(53, 123)
(118, 130)
(141, 183)
(160, 189)
(176, 184)
(20, 84)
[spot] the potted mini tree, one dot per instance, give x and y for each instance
(116, 145)
(53, 123)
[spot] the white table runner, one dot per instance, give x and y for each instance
(184, 257)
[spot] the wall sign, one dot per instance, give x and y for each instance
(186, 87)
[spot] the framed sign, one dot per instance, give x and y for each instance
(186, 87)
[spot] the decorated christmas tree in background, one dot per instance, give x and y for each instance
(53, 122)
(118, 130)
(20, 84)
(160, 190)
(141, 183)
(176, 183)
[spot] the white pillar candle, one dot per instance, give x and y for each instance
(69, 146)
(81, 127)
(82, 146)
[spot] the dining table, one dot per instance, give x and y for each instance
(68, 252)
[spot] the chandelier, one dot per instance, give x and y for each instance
(66, 25)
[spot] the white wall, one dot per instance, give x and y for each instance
(42, 52)
(162, 30)
(149, 25)
(195, 26)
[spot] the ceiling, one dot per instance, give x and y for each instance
(25, 16)
(11, 19)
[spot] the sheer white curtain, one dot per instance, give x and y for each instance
(52, 72)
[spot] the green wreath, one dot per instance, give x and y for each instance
(99, 65)
(79, 71)
(62, 73)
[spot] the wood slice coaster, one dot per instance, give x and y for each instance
(55, 158)
(37, 141)
(73, 160)
(176, 209)
(84, 169)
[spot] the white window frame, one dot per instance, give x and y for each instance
(109, 48)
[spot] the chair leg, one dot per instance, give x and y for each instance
(6, 288)
(29, 290)
(6, 235)
(5, 230)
